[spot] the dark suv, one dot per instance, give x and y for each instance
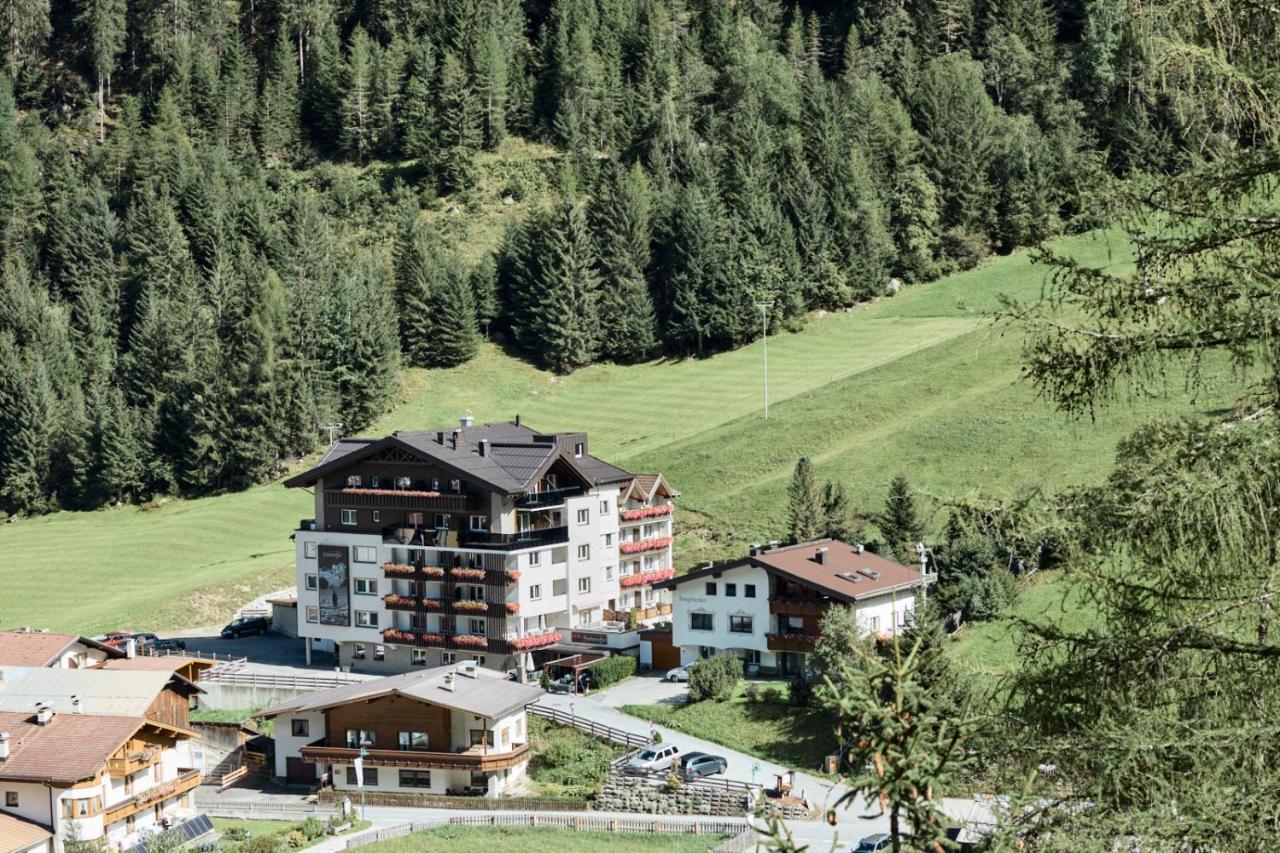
(246, 625)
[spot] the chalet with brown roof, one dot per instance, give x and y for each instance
(42, 648)
(767, 606)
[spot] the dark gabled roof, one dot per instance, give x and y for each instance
(799, 563)
(514, 459)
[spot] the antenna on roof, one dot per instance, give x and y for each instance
(330, 428)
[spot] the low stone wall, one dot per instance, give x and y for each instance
(621, 794)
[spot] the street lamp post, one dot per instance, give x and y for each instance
(363, 752)
(764, 327)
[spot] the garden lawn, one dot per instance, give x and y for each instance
(457, 839)
(921, 384)
(255, 827)
(775, 731)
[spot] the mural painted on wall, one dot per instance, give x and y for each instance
(335, 584)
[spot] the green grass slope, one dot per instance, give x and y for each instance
(919, 384)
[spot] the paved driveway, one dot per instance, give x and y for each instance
(647, 689)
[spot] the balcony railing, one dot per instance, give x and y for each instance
(469, 642)
(646, 512)
(547, 497)
(186, 780)
(410, 499)
(798, 606)
(133, 763)
(790, 642)
(643, 578)
(476, 758)
(476, 540)
(639, 546)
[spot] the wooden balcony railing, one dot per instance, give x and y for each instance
(790, 642)
(410, 499)
(186, 780)
(798, 606)
(474, 758)
(133, 763)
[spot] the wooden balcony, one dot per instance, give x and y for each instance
(475, 758)
(187, 780)
(406, 499)
(798, 606)
(790, 642)
(120, 767)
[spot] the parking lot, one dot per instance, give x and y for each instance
(264, 653)
(646, 689)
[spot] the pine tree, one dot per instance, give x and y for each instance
(491, 84)
(420, 124)
(484, 292)
(899, 523)
(837, 517)
(24, 25)
(357, 97)
(278, 112)
(118, 466)
(20, 200)
(250, 365)
(459, 126)
(25, 410)
(104, 21)
(622, 218)
(386, 100)
(563, 312)
(805, 520)
(453, 337)
(694, 269)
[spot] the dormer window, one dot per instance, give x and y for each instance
(579, 449)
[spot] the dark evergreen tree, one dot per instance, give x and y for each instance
(458, 127)
(622, 220)
(805, 511)
(899, 524)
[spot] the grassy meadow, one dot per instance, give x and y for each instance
(921, 383)
(484, 839)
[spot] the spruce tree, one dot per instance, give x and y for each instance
(118, 466)
(622, 219)
(484, 292)
(24, 25)
(104, 23)
(805, 520)
(694, 269)
(458, 127)
(837, 517)
(358, 95)
(452, 309)
(25, 410)
(899, 523)
(491, 85)
(278, 111)
(564, 311)
(420, 122)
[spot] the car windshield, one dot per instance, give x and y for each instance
(647, 755)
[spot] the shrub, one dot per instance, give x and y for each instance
(801, 689)
(311, 828)
(611, 670)
(772, 695)
(568, 759)
(545, 681)
(295, 840)
(715, 678)
(752, 692)
(262, 844)
(674, 782)
(236, 833)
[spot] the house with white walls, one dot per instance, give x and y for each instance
(767, 607)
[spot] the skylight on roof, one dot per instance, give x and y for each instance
(850, 577)
(871, 573)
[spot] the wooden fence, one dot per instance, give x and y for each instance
(609, 733)
(581, 823)
(276, 680)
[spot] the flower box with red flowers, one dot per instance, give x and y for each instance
(398, 601)
(513, 575)
(391, 635)
(465, 606)
(467, 573)
(642, 578)
(471, 641)
(645, 545)
(534, 641)
(646, 512)
(397, 569)
(432, 571)
(432, 603)
(513, 608)
(408, 493)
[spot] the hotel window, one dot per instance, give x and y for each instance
(377, 516)
(375, 481)
(366, 553)
(535, 559)
(608, 573)
(455, 485)
(348, 516)
(749, 590)
(535, 592)
(740, 624)
(366, 586)
(584, 584)
(357, 738)
(584, 516)
(415, 519)
(370, 776)
(313, 614)
(711, 589)
(604, 507)
(608, 540)
(442, 520)
(359, 652)
(480, 522)
(309, 549)
(366, 619)
(479, 659)
(700, 622)
(435, 484)
(873, 624)
(81, 808)
(300, 728)
(10, 799)
(415, 778)
(419, 657)
(448, 657)
(477, 626)
(413, 740)
(312, 581)
(353, 481)
(584, 552)
(731, 590)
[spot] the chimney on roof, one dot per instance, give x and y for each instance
(517, 419)
(466, 421)
(484, 447)
(4, 746)
(467, 668)
(857, 549)
(75, 704)
(821, 555)
(448, 681)
(44, 713)
(440, 437)
(453, 439)
(755, 548)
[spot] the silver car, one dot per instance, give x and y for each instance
(678, 674)
(657, 758)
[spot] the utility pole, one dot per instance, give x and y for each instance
(330, 428)
(923, 553)
(764, 325)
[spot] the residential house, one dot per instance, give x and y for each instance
(23, 836)
(476, 542)
(767, 607)
(42, 648)
(449, 729)
(646, 536)
(106, 751)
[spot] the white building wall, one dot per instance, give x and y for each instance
(885, 614)
(691, 597)
(288, 746)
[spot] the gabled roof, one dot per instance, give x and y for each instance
(513, 459)
(846, 573)
(645, 487)
(100, 691)
(69, 748)
(20, 834)
(484, 695)
(38, 648)
(158, 663)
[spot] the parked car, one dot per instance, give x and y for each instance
(246, 625)
(696, 764)
(145, 640)
(874, 843)
(168, 645)
(652, 759)
(678, 674)
(117, 639)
